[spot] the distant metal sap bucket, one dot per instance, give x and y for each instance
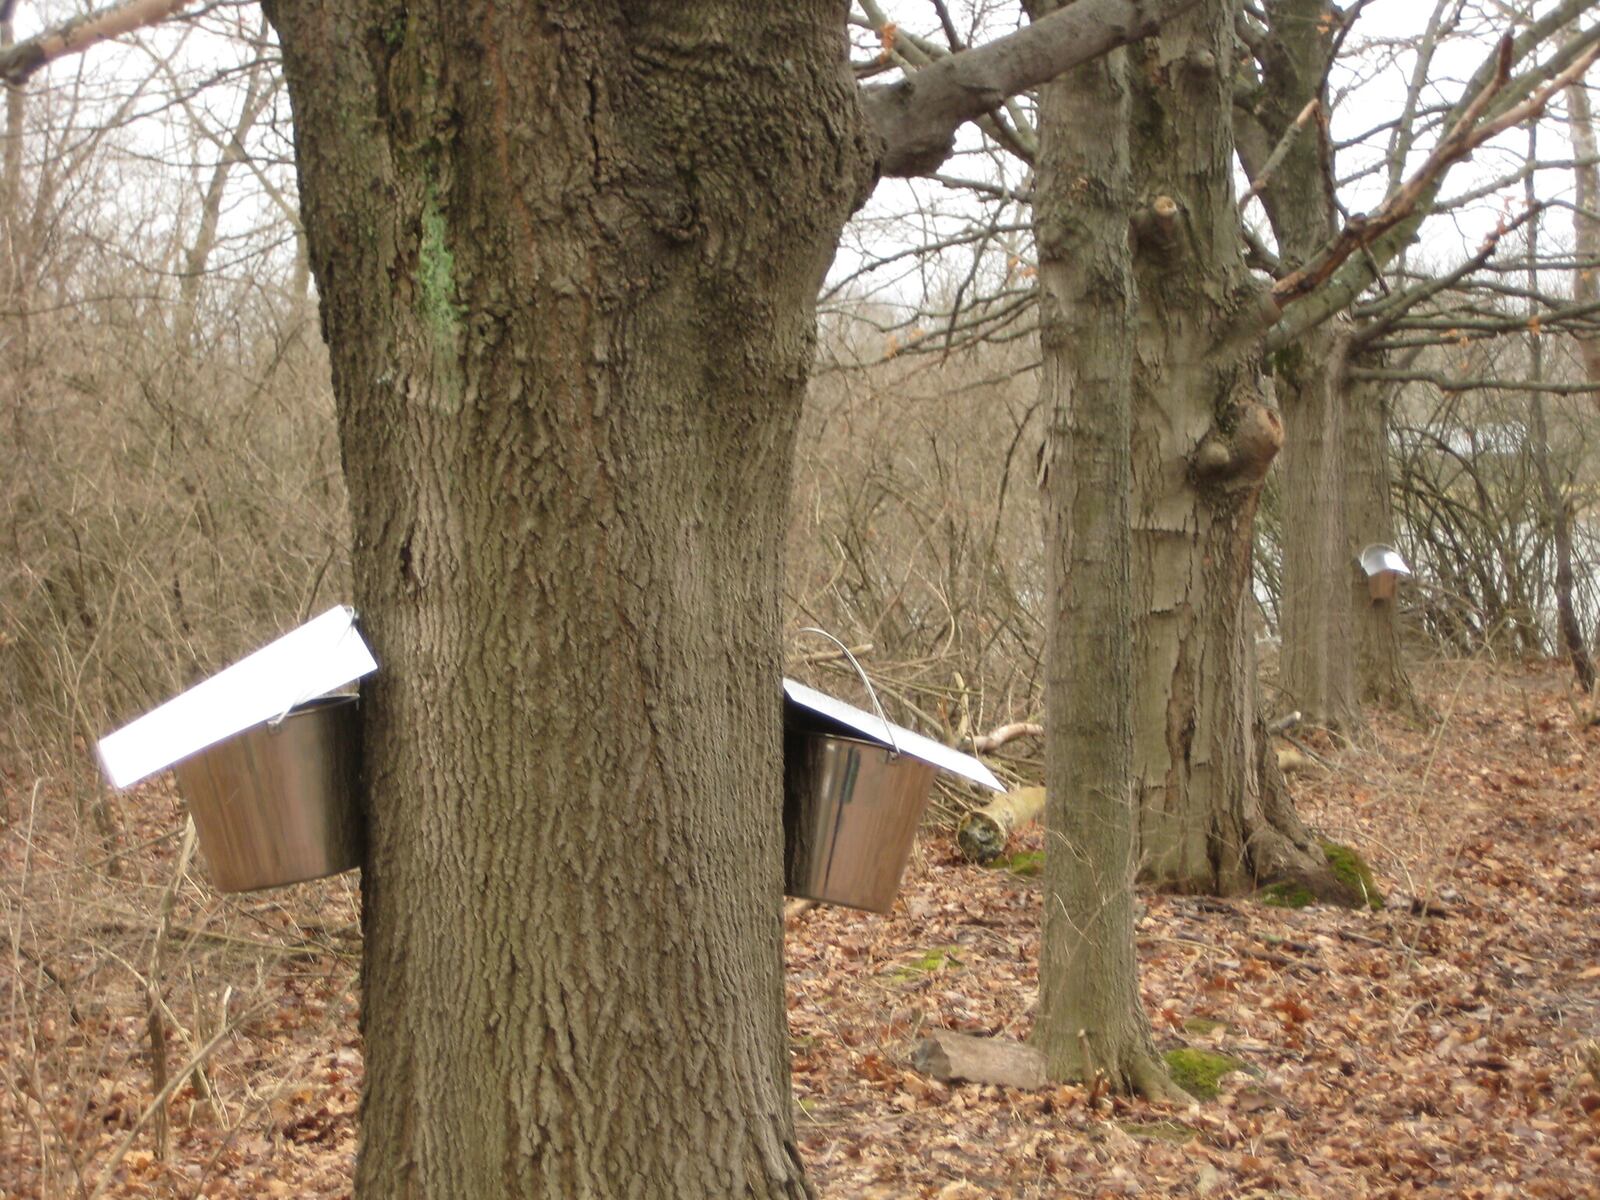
(850, 814)
(1383, 567)
(276, 804)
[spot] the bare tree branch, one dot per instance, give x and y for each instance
(1383, 315)
(917, 117)
(19, 62)
(999, 736)
(1332, 280)
(1448, 383)
(1009, 128)
(1279, 153)
(1465, 136)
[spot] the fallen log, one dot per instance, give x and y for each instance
(984, 832)
(959, 1057)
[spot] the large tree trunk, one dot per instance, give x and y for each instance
(1091, 1019)
(1213, 814)
(567, 261)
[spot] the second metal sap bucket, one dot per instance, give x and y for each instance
(276, 803)
(1383, 567)
(851, 808)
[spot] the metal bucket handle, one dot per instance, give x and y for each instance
(274, 724)
(888, 729)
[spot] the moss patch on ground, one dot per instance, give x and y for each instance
(1357, 887)
(937, 958)
(1201, 1026)
(1287, 895)
(1198, 1072)
(1350, 869)
(1023, 862)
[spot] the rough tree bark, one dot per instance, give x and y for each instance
(570, 331)
(1091, 1019)
(567, 258)
(1214, 814)
(1317, 672)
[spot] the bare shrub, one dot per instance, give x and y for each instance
(915, 529)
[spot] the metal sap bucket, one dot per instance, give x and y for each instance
(276, 803)
(850, 814)
(1383, 567)
(850, 811)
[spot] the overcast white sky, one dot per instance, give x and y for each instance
(900, 215)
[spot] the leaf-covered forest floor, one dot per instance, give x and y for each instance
(1435, 1048)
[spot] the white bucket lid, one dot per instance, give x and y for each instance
(1379, 557)
(323, 654)
(871, 726)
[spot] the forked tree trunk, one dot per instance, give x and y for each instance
(567, 261)
(1091, 1019)
(1213, 813)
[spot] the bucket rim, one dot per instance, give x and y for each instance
(331, 700)
(823, 735)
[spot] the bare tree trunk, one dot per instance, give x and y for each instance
(15, 260)
(197, 254)
(567, 262)
(1586, 219)
(1214, 816)
(1091, 1019)
(1555, 503)
(1317, 671)
(1380, 666)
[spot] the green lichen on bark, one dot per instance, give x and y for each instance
(436, 273)
(1199, 1072)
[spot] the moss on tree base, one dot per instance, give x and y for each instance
(1350, 869)
(1199, 1072)
(1353, 885)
